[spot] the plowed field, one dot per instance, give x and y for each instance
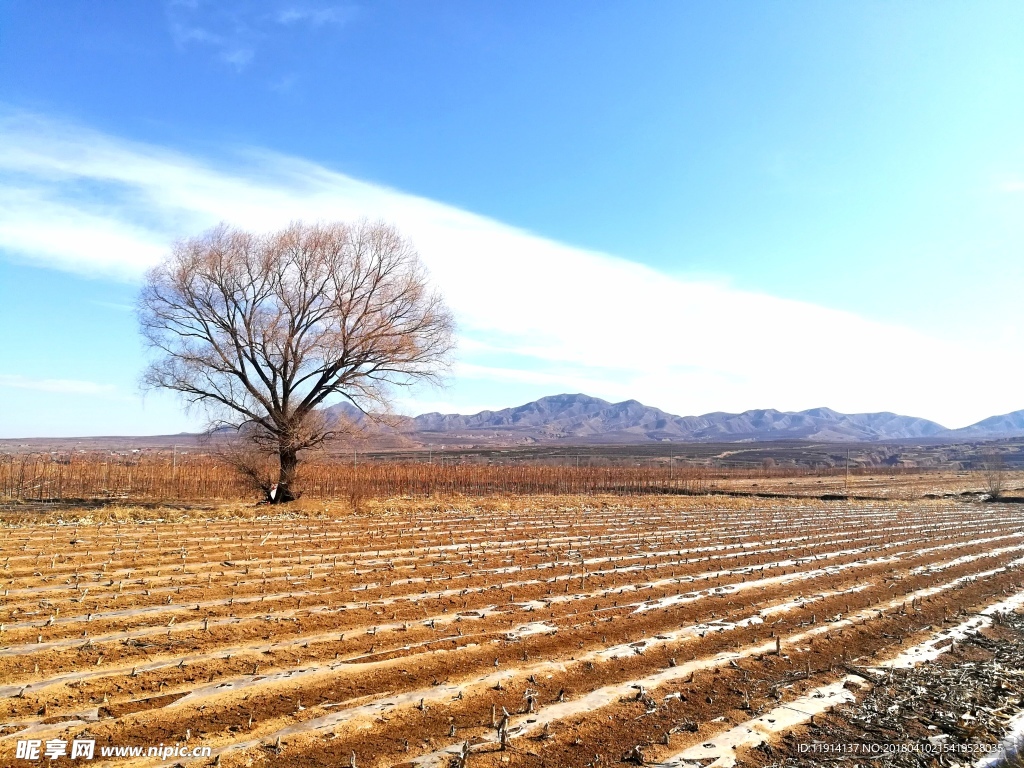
(555, 634)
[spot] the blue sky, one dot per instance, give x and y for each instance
(705, 206)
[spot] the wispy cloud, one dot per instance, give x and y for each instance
(225, 33)
(531, 310)
(113, 305)
(234, 31)
(555, 378)
(238, 57)
(60, 386)
(283, 84)
(316, 16)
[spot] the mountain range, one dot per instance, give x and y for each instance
(583, 419)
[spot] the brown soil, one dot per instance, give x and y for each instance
(392, 637)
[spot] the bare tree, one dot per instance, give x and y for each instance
(992, 464)
(261, 330)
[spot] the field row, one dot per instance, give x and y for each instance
(560, 635)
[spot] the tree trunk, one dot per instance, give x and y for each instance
(285, 490)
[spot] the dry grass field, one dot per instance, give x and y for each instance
(197, 477)
(572, 630)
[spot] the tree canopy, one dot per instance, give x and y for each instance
(262, 330)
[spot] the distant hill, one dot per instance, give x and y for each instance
(1007, 425)
(584, 419)
(561, 416)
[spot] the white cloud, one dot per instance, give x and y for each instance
(234, 31)
(234, 44)
(238, 56)
(529, 308)
(113, 305)
(59, 386)
(568, 379)
(316, 16)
